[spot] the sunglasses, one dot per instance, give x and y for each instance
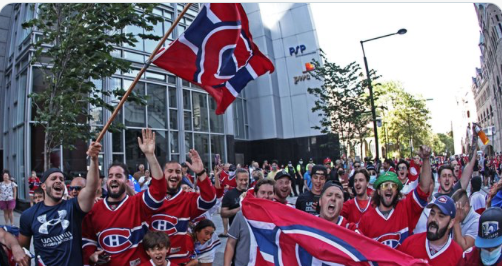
(388, 185)
(77, 188)
(357, 166)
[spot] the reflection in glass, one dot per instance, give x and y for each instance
(118, 158)
(96, 112)
(21, 89)
(117, 142)
(173, 119)
(202, 146)
(238, 119)
(157, 106)
(172, 97)
(161, 147)
(138, 45)
(173, 140)
(186, 100)
(157, 31)
(217, 147)
(200, 117)
(116, 84)
(135, 113)
(133, 154)
(188, 141)
(215, 120)
(187, 120)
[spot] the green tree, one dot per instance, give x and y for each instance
(406, 119)
(341, 101)
(74, 46)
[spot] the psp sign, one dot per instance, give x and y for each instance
(299, 48)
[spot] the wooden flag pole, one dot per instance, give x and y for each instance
(147, 64)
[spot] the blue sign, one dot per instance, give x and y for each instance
(294, 50)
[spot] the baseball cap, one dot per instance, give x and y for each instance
(310, 160)
(331, 184)
(47, 173)
(445, 204)
(327, 160)
(388, 177)
(282, 174)
(320, 167)
(370, 167)
(490, 228)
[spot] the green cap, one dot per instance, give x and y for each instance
(386, 177)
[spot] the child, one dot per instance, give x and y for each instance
(34, 183)
(156, 245)
(38, 195)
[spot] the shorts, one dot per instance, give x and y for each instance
(7, 204)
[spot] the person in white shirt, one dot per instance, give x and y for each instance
(477, 198)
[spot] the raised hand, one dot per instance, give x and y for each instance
(424, 152)
(94, 150)
(147, 143)
(197, 166)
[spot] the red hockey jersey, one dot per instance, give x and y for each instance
(418, 247)
(120, 232)
(175, 214)
(394, 229)
(353, 210)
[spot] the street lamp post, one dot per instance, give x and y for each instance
(373, 112)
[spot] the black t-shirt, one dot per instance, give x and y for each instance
(231, 200)
(306, 201)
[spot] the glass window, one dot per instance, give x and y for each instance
(117, 142)
(155, 76)
(116, 84)
(171, 79)
(173, 119)
(21, 95)
(20, 162)
(134, 156)
(239, 119)
(215, 120)
(157, 31)
(138, 44)
(96, 112)
(200, 117)
(175, 157)
(188, 141)
(168, 15)
(157, 106)
(75, 161)
(167, 26)
(187, 120)
(186, 100)
(135, 113)
(173, 103)
(133, 57)
(161, 147)
(185, 83)
(217, 147)
(202, 146)
(173, 140)
(118, 158)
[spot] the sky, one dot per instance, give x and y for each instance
(436, 57)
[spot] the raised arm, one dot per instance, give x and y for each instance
(88, 193)
(426, 173)
(469, 168)
(196, 166)
(147, 146)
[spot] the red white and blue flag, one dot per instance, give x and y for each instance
(217, 53)
(282, 235)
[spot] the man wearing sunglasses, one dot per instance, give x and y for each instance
(75, 186)
(394, 216)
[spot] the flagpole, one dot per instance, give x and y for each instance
(143, 69)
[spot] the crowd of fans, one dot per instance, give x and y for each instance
(163, 215)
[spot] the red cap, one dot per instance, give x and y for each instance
(327, 160)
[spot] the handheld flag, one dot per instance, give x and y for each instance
(414, 171)
(282, 235)
(217, 53)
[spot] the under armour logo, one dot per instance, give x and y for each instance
(44, 228)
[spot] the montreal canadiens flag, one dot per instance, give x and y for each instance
(217, 53)
(285, 236)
